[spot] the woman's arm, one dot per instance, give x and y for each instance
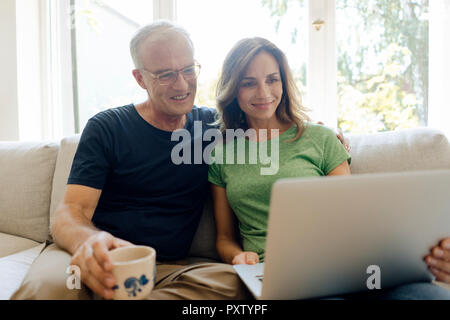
(341, 170)
(227, 243)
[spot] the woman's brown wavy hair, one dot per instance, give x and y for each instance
(230, 115)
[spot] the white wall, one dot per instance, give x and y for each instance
(9, 111)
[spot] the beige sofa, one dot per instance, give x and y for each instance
(33, 177)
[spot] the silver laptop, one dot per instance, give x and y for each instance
(326, 234)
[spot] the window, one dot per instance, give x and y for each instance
(223, 23)
(362, 65)
(382, 55)
(103, 65)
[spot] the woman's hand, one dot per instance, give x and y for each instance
(246, 257)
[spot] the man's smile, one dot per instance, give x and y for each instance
(181, 97)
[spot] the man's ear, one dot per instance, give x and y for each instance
(139, 79)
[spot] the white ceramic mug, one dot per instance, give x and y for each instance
(134, 269)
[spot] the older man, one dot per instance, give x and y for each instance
(124, 188)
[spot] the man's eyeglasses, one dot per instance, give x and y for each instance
(169, 77)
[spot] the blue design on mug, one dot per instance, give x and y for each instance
(133, 285)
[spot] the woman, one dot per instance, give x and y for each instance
(257, 91)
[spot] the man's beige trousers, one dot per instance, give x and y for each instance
(185, 279)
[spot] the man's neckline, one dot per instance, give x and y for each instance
(187, 121)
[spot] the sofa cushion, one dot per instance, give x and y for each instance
(26, 171)
(64, 161)
(13, 269)
(405, 150)
(204, 242)
(10, 244)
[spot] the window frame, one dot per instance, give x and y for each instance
(322, 62)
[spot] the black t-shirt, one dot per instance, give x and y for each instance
(146, 198)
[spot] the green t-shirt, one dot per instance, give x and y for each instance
(316, 153)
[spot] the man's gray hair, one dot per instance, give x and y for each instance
(156, 28)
